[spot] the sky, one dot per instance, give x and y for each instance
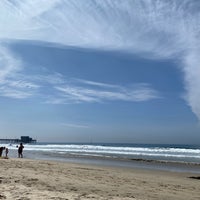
(123, 71)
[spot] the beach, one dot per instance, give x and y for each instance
(25, 179)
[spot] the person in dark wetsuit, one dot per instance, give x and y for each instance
(20, 150)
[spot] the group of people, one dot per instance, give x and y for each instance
(20, 151)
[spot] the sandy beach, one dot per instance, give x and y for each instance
(24, 179)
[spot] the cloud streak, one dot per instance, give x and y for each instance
(74, 125)
(154, 29)
(103, 92)
(16, 84)
(158, 28)
(10, 84)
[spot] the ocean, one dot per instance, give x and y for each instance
(136, 155)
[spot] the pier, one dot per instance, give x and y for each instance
(24, 139)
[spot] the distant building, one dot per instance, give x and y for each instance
(27, 139)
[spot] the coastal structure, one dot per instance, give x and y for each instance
(24, 139)
(27, 139)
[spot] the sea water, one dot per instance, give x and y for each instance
(179, 153)
(179, 158)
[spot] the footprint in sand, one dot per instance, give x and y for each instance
(2, 196)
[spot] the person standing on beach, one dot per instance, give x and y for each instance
(20, 150)
(1, 150)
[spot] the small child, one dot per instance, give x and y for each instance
(6, 151)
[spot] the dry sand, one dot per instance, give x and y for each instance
(22, 179)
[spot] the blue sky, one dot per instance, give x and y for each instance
(101, 71)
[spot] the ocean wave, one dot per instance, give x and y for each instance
(108, 150)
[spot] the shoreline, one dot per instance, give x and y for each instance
(42, 179)
(149, 164)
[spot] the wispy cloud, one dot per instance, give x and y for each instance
(15, 83)
(74, 125)
(104, 92)
(154, 29)
(159, 28)
(8, 64)
(10, 84)
(14, 93)
(192, 77)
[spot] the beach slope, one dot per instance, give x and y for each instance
(34, 179)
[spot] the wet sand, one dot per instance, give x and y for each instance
(25, 179)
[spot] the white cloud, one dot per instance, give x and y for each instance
(21, 84)
(14, 93)
(192, 78)
(154, 29)
(136, 93)
(14, 83)
(97, 84)
(74, 125)
(11, 83)
(160, 28)
(8, 63)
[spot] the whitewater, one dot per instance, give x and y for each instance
(176, 153)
